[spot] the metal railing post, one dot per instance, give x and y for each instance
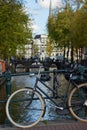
(8, 83)
(54, 86)
(81, 69)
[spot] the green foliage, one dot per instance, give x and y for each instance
(49, 47)
(35, 49)
(59, 27)
(14, 27)
(68, 27)
(79, 27)
(45, 122)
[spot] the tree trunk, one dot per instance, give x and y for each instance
(72, 59)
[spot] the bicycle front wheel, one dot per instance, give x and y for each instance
(78, 102)
(25, 108)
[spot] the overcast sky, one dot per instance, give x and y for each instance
(39, 12)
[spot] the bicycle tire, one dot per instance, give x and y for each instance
(77, 102)
(21, 111)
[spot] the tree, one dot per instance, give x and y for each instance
(79, 30)
(68, 27)
(59, 28)
(35, 49)
(49, 47)
(14, 27)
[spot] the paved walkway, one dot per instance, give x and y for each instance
(70, 125)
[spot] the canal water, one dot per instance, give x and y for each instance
(28, 81)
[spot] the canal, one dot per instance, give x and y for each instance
(28, 81)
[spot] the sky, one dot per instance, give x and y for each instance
(39, 13)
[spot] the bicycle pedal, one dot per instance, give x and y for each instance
(62, 112)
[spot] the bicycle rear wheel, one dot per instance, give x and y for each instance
(78, 102)
(25, 108)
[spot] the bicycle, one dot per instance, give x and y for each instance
(26, 107)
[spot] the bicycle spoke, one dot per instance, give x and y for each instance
(25, 110)
(78, 102)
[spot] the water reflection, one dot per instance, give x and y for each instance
(22, 110)
(26, 81)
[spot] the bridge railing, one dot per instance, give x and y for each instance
(8, 75)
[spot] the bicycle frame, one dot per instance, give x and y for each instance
(34, 105)
(63, 98)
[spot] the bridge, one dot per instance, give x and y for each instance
(65, 125)
(52, 125)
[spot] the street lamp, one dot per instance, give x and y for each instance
(50, 6)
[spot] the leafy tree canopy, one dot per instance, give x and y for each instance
(15, 27)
